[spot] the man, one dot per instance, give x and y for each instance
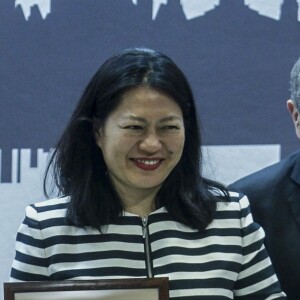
(274, 195)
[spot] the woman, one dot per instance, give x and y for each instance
(133, 202)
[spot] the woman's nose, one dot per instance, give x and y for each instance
(151, 143)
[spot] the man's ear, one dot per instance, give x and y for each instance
(295, 116)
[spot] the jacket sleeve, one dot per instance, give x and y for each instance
(257, 279)
(29, 263)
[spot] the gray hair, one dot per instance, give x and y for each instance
(295, 84)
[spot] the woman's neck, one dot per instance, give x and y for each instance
(140, 203)
(142, 208)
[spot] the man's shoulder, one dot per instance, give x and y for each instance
(267, 176)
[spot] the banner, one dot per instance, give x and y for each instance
(237, 55)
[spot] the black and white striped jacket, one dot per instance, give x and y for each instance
(225, 261)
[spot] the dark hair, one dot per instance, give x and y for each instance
(78, 165)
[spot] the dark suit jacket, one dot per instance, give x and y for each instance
(274, 195)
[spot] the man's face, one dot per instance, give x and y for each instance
(295, 116)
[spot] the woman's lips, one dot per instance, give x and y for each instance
(147, 164)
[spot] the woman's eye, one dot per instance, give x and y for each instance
(133, 127)
(170, 127)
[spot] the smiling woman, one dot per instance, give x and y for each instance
(141, 142)
(132, 200)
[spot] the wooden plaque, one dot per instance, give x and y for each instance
(110, 289)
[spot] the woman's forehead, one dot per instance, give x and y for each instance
(136, 102)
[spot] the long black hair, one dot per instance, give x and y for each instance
(77, 163)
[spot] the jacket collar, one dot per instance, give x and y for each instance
(294, 198)
(296, 171)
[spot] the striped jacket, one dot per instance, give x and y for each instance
(227, 260)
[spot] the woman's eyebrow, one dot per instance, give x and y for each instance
(163, 120)
(170, 118)
(134, 118)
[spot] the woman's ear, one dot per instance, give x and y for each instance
(97, 128)
(97, 136)
(295, 116)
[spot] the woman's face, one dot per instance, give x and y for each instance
(142, 140)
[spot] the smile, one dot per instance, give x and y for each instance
(148, 164)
